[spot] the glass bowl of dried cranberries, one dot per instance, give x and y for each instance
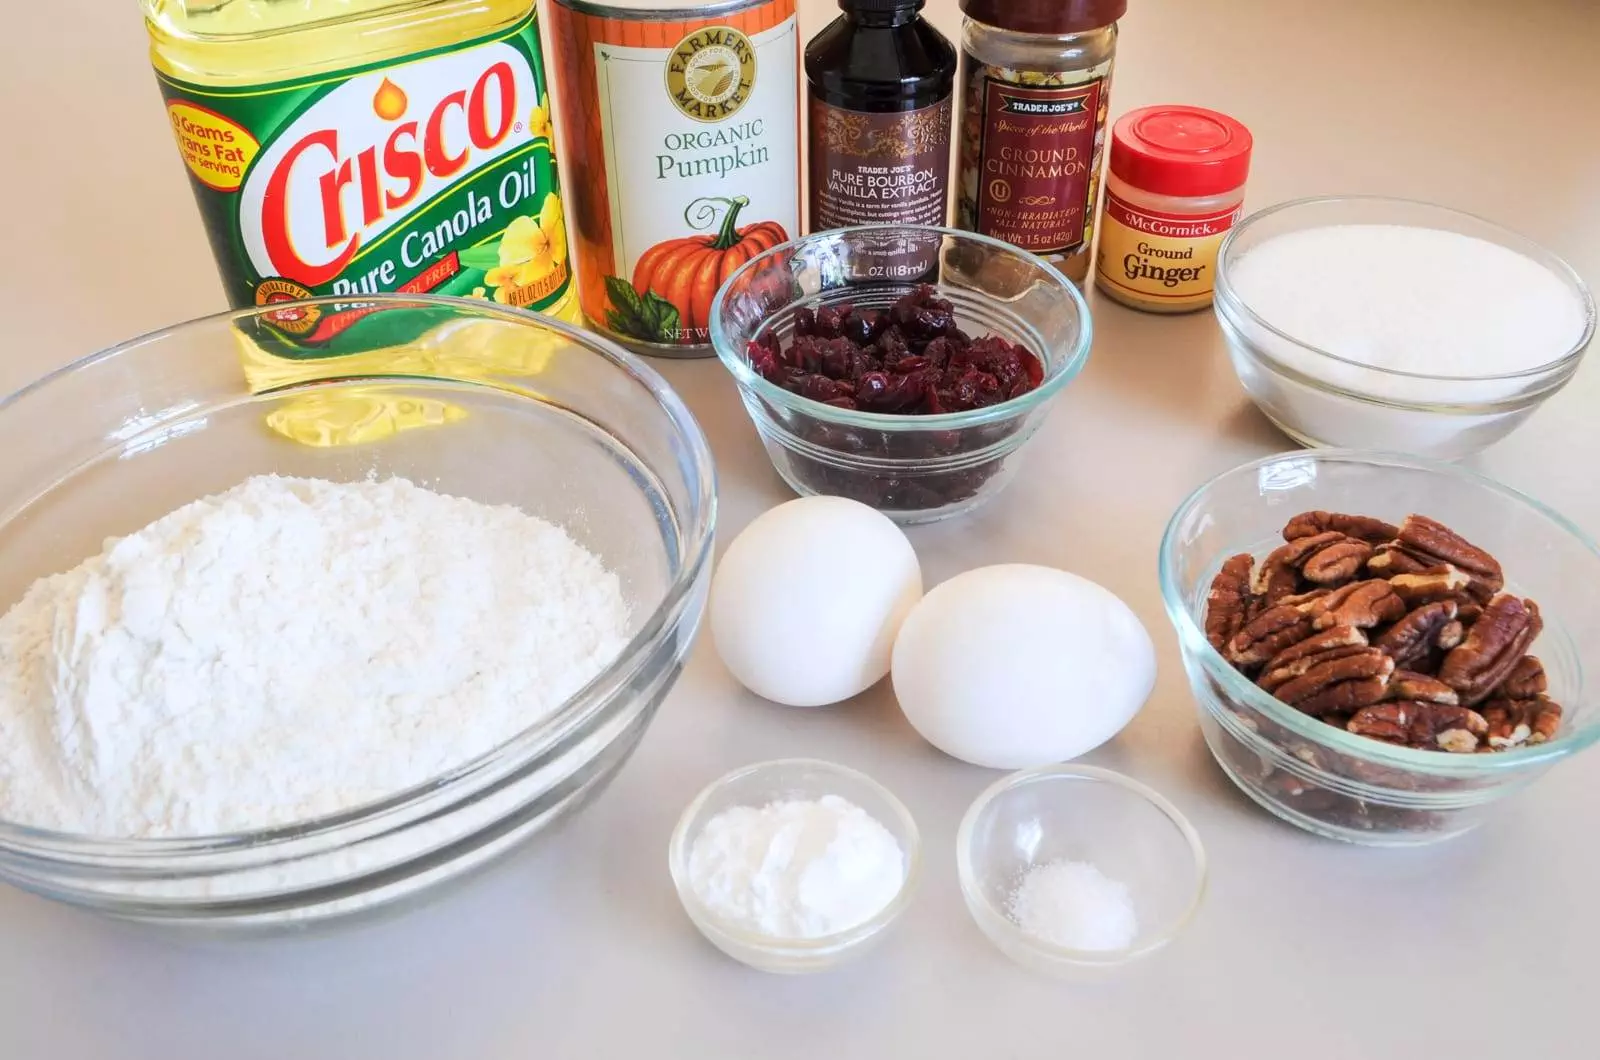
(899, 366)
(1382, 646)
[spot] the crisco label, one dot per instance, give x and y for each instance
(1158, 260)
(432, 174)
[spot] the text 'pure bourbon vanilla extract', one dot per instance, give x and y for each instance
(879, 81)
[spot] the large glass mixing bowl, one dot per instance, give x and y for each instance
(466, 398)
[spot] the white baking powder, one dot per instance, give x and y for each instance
(1453, 310)
(1074, 905)
(796, 869)
(286, 650)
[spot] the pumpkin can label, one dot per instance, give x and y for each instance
(686, 160)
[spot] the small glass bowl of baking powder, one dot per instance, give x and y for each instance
(1378, 323)
(1076, 871)
(815, 786)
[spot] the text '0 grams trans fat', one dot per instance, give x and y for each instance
(683, 127)
(350, 147)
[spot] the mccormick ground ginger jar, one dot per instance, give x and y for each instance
(349, 147)
(684, 137)
(1174, 188)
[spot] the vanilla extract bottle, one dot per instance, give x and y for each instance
(879, 83)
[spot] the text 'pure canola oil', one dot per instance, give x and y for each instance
(351, 147)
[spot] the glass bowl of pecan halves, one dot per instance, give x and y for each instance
(1382, 646)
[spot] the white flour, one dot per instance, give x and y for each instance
(289, 649)
(797, 869)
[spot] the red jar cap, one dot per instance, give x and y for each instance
(1180, 151)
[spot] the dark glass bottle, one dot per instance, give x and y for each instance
(879, 80)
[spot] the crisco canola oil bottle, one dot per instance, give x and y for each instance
(349, 147)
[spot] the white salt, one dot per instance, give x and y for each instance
(1072, 904)
(1409, 299)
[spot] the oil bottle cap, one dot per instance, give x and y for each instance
(1180, 151)
(1045, 16)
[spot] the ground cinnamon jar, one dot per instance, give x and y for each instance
(1175, 187)
(1035, 81)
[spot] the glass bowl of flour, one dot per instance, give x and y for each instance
(1389, 324)
(309, 609)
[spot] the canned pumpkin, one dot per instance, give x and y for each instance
(684, 138)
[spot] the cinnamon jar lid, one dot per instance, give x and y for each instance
(1045, 16)
(1180, 151)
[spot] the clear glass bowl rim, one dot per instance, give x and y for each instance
(1022, 778)
(678, 848)
(1229, 300)
(1195, 646)
(732, 356)
(525, 745)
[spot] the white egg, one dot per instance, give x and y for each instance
(807, 600)
(1017, 666)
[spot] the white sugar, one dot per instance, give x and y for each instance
(1419, 300)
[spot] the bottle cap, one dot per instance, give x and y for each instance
(1181, 151)
(1045, 16)
(882, 5)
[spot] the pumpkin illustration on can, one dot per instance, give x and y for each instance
(686, 272)
(685, 155)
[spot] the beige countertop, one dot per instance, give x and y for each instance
(575, 947)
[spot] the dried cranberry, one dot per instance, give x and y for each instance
(819, 388)
(829, 322)
(871, 388)
(909, 360)
(864, 326)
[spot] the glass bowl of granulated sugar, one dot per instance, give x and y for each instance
(1387, 324)
(310, 609)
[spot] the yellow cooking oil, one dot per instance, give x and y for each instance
(342, 148)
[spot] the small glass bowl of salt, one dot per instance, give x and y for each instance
(1378, 323)
(1077, 871)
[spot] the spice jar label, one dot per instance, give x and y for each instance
(1036, 162)
(879, 168)
(1166, 258)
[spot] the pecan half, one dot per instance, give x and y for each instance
(1336, 563)
(1361, 527)
(1304, 600)
(1492, 648)
(1266, 635)
(1229, 600)
(1410, 639)
(1339, 685)
(1361, 604)
(1391, 559)
(1430, 586)
(1514, 722)
(1429, 538)
(1292, 662)
(1279, 574)
(1419, 724)
(1526, 680)
(1408, 684)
